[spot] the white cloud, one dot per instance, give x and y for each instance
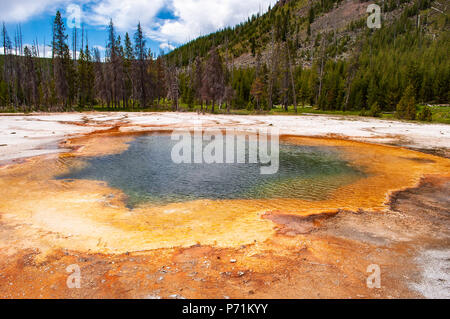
(100, 48)
(166, 46)
(44, 51)
(199, 17)
(192, 17)
(124, 13)
(20, 11)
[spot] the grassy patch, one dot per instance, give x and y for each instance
(441, 114)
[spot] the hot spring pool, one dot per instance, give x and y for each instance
(147, 175)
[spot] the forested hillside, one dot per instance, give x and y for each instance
(322, 53)
(314, 53)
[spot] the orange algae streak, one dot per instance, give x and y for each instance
(90, 216)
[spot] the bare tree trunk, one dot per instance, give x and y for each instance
(321, 74)
(75, 43)
(272, 70)
(294, 94)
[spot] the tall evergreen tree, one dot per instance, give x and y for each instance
(140, 52)
(63, 70)
(128, 69)
(406, 108)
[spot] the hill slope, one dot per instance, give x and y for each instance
(322, 53)
(303, 22)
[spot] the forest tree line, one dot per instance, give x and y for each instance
(377, 72)
(129, 75)
(390, 69)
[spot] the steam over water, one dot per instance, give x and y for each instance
(147, 174)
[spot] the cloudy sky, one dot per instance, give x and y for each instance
(167, 23)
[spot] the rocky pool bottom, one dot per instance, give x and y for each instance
(252, 248)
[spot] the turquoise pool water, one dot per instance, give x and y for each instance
(147, 174)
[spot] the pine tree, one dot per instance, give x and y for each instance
(128, 68)
(86, 77)
(141, 60)
(425, 114)
(5, 83)
(31, 83)
(257, 91)
(63, 72)
(113, 67)
(406, 108)
(100, 78)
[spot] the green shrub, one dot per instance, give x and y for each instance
(363, 112)
(425, 115)
(375, 110)
(406, 108)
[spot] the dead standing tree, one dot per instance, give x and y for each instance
(172, 85)
(273, 63)
(291, 72)
(258, 88)
(213, 87)
(229, 93)
(100, 77)
(30, 83)
(197, 79)
(115, 67)
(323, 58)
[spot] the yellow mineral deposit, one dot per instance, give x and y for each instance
(89, 216)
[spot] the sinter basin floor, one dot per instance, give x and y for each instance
(50, 218)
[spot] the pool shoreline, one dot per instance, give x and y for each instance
(24, 136)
